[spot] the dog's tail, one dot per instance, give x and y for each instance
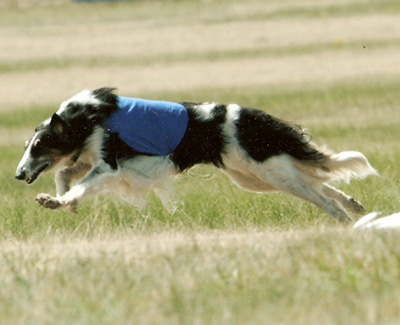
(346, 165)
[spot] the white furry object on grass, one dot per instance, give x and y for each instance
(370, 222)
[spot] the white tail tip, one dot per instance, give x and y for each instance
(350, 164)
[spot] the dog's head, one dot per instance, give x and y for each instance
(60, 137)
(47, 147)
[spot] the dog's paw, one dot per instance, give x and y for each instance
(48, 201)
(357, 207)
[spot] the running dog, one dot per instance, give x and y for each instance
(128, 146)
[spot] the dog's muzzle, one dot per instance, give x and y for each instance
(22, 175)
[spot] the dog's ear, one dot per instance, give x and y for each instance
(57, 124)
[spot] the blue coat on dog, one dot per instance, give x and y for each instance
(151, 127)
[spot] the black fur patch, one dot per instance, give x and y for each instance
(52, 139)
(79, 125)
(116, 150)
(82, 118)
(46, 143)
(93, 113)
(204, 140)
(106, 95)
(264, 136)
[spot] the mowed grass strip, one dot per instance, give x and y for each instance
(180, 12)
(22, 66)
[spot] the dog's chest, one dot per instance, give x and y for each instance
(151, 127)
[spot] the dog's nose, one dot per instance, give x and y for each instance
(20, 175)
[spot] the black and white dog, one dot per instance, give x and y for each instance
(107, 143)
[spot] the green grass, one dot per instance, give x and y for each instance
(168, 278)
(226, 256)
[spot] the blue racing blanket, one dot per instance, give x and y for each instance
(152, 127)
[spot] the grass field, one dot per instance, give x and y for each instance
(226, 256)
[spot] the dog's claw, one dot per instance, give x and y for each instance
(48, 201)
(357, 206)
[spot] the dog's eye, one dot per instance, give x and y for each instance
(36, 143)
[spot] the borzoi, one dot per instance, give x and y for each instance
(127, 146)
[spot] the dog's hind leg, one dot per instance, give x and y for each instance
(347, 201)
(166, 194)
(280, 173)
(247, 181)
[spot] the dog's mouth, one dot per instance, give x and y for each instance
(31, 179)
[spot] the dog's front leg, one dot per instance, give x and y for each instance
(48, 201)
(93, 183)
(65, 177)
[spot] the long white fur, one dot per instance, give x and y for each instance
(349, 164)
